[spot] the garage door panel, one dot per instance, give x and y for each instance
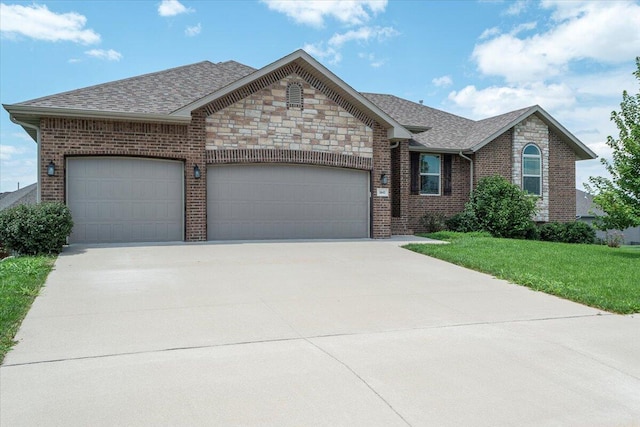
(286, 201)
(125, 199)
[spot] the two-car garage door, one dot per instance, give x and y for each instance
(263, 201)
(119, 199)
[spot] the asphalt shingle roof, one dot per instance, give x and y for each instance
(167, 91)
(24, 196)
(446, 131)
(157, 93)
(585, 208)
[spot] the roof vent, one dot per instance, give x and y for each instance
(295, 96)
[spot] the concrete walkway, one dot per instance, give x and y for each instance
(341, 333)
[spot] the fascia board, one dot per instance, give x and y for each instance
(26, 111)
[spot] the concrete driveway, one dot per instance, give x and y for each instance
(353, 333)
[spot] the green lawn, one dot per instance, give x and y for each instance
(20, 282)
(598, 276)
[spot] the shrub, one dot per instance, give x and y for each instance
(502, 208)
(432, 222)
(579, 232)
(552, 232)
(463, 222)
(35, 229)
(614, 239)
(570, 232)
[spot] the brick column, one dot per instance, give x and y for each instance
(381, 214)
(196, 189)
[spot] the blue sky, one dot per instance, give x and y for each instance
(472, 58)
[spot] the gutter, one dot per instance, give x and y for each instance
(37, 112)
(470, 172)
(37, 129)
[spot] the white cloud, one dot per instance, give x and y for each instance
(496, 100)
(443, 81)
(314, 12)
(39, 23)
(490, 32)
(74, 60)
(108, 55)
(194, 30)
(373, 61)
(600, 31)
(331, 50)
(7, 152)
(363, 34)
(320, 51)
(516, 8)
(527, 26)
(172, 8)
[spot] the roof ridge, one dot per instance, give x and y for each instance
(508, 112)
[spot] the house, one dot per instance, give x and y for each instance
(23, 196)
(224, 151)
(586, 211)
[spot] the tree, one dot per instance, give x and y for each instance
(619, 197)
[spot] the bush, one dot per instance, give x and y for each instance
(614, 239)
(579, 232)
(502, 208)
(569, 232)
(432, 222)
(552, 232)
(463, 222)
(35, 229)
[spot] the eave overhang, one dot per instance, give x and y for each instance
(32, 115)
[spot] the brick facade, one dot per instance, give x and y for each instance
(502, 156)
(494, 158)
(418, 204)
(62, 138)
(562, 180)
(255, 129)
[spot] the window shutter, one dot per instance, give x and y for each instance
(415, 172)
(446, 175)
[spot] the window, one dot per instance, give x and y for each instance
(430, 174)
(294, 96)
(532, 170)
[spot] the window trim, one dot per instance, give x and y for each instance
(421, 174)
(539, 176)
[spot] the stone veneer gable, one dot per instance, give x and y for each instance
(262, 121)
(533, 131)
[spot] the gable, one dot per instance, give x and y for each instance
(262, 120)
(314, 73)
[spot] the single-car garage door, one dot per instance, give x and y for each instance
(115, 199)
(247, 202)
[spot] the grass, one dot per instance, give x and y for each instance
(20, 281)
(598, 276)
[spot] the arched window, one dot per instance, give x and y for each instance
(294, 96)
(532, 170)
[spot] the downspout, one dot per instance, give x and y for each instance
(471, 171)
(37, 128)
(391, 147)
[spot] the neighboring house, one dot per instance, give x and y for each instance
(224, 151)
(24, 196)
(586, 211)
